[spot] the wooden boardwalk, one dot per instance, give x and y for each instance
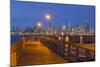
(36, 53)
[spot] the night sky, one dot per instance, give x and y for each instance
(27, 14)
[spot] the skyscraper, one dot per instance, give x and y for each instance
(87, 29)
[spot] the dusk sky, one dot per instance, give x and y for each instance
(27, 14)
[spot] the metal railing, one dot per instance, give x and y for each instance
(73, 52)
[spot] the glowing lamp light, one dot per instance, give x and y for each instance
(39, 24)
(48, 17)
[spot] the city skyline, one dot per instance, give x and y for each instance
(28, 14)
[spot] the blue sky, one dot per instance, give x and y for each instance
(27, 14)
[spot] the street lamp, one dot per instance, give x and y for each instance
(48, 18)
(39, 25)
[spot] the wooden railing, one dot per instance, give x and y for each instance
(16, 50)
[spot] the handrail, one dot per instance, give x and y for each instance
(60, 48)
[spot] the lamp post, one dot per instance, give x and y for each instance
(39, 25)
(48, 18)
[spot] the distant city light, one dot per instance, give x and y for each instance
(63, 27)
(62, 33)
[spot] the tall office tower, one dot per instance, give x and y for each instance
(87, 29)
